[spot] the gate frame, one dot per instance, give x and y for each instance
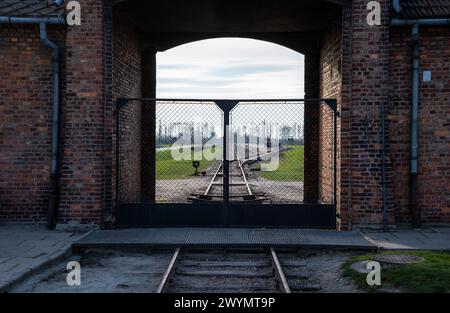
(225, 213)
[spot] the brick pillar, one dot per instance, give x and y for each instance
(311, 129)
(82, 174)
(365, 87)
(148, 126)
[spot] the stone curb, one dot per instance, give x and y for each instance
(378, 246)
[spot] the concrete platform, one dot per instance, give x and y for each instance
(412, 239)
(237, 237)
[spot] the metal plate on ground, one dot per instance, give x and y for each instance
(398, 259)
(192, 236)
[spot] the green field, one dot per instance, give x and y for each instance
(290, 167)
(168, 168)
(432, 275)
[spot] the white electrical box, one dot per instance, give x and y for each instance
(426, 76)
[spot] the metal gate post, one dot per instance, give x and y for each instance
(226, 106)
(332, 103)
(120, 103)
(335, 155)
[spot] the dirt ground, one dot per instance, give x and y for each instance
(114, 271)
(103, 272)
(279, 192)
(178, 190)
(322, 271)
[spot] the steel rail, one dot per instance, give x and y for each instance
(281, 278)
(162, 287)
(213, 179)
(243, 174)
(275, 264)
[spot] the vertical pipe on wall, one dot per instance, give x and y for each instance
(54, 195)
(383, 167)
(396, 5)
(414, 127)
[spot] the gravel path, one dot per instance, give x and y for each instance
(279, 192)
(103, 272)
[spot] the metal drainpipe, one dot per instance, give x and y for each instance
(54, 179)
(414, 126)
(383, 168)
(396, 5)
(54, 196)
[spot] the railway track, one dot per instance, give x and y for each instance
(240, 188)
(192, 270)
(257, 270)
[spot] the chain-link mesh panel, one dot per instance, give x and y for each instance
(188, 149)
(269, 143)
(172, 152)
(168, 150)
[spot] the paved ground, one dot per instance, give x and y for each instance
(412, 239)
(27, 248)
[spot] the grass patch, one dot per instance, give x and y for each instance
(430, 276)
(290, 167)
(168, 168)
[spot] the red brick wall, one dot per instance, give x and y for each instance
(330, 87)
(25, 121)
(100, 68)
(434, 123)
(365, 87)
(127, 83)
(83, 183)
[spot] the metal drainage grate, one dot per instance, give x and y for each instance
(398, 259)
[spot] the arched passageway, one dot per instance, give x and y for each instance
(135, 61)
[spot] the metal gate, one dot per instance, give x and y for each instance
(224, 163)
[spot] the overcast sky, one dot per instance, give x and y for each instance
(230, 68)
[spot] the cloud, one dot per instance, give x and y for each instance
(230, 68)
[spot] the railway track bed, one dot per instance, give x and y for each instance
(223, 271)
(258, 270)
(198, 270)
(240, 189)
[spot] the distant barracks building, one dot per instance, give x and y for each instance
(390, 75)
